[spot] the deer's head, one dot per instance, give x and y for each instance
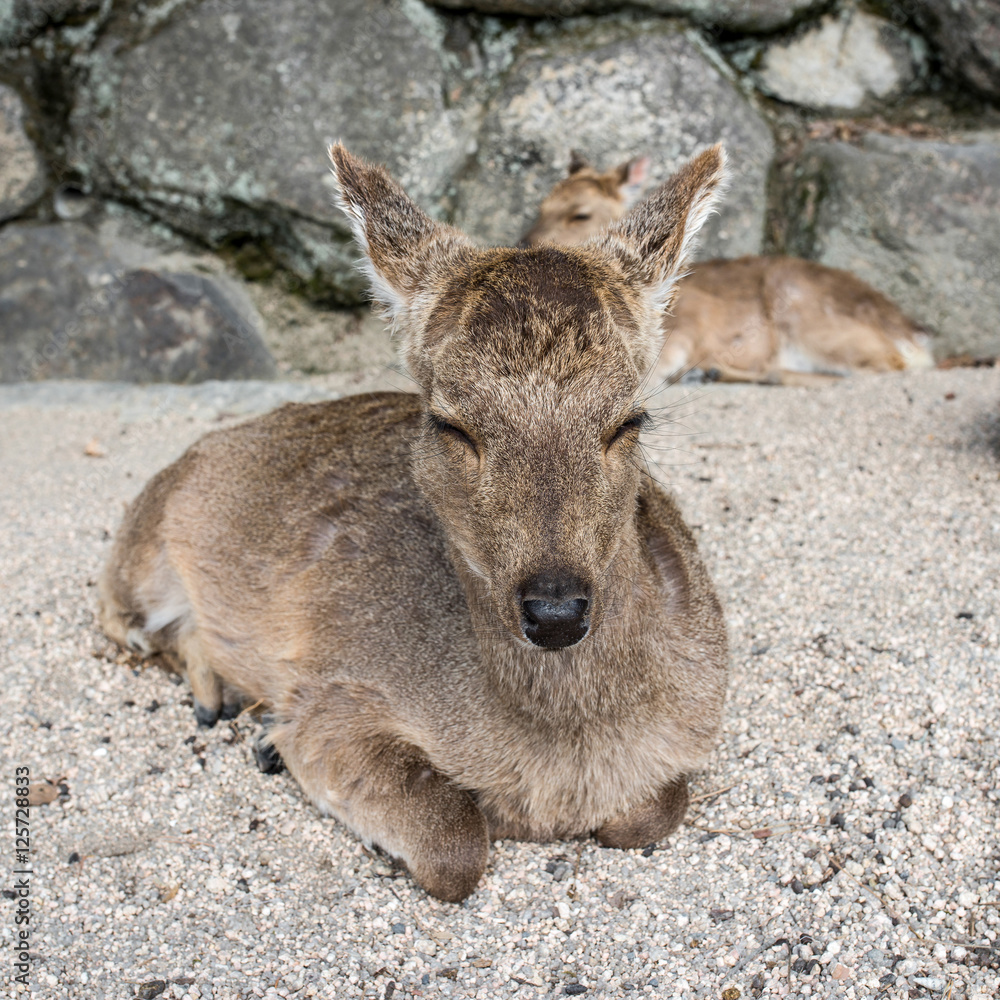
(586, 201)
(531, 364)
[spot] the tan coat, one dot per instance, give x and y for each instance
(470, 611)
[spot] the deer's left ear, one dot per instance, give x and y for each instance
(404, 249)
(654, 242)
(577, 162)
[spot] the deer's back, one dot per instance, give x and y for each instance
(301, 542)
(762, 313)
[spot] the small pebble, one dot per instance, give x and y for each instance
(559, 870)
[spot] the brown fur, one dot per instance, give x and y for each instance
(362, 567)
(755, 319)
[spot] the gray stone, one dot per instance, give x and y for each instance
(22, 176)
(312, 340)
(967, 34)
(219, 122)
(916, 218)
(70, 308)
(614, 91)
(845, 61)
(734, 15)
(877, 957)
(21, 20)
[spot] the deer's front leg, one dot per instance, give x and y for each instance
(650, 822)
(386, 792)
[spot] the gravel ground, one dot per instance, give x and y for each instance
(844, 840)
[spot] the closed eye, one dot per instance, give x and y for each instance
(634, 424)
(580, 217)
(442, 426)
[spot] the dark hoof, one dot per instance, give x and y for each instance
(205, 716)
(268, 759)
(231, 711)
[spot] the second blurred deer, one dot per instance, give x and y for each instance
(754, 319)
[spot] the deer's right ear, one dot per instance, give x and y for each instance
(403, 247)
(655, 241)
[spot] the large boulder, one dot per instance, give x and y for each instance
(733, 15)
(219, 121)
(22, 176)
(843, 62)
(967, 34)
(71, 307)
(918, 219)
(614, 91)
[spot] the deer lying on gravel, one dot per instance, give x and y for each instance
(469, 612)
(755, 319)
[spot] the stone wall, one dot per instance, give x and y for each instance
(165, 205)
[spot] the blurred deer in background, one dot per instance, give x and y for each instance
(755, 319)
(469, 612)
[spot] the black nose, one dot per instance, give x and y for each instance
(554, 612)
